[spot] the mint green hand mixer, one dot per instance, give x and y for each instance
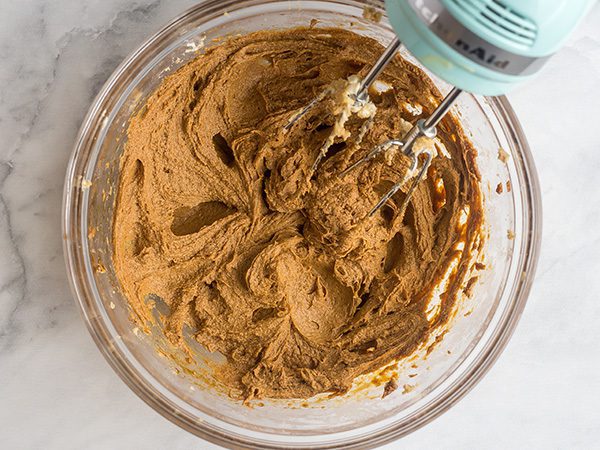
(481, 46)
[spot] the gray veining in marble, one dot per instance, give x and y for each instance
(56, 391)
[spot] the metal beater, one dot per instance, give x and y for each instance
(423, 127)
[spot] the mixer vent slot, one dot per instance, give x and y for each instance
(500, 19)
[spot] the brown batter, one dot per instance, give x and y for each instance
(279, 269)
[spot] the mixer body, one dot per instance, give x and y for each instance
(484, 46)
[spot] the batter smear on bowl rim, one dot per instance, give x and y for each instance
(278, 267)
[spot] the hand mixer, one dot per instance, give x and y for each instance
(481, 46)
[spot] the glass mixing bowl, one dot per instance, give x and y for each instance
(362, 419)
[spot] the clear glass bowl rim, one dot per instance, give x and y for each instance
(82, 291)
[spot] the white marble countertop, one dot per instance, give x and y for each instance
(56, 390)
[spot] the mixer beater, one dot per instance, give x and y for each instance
(423, 127)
